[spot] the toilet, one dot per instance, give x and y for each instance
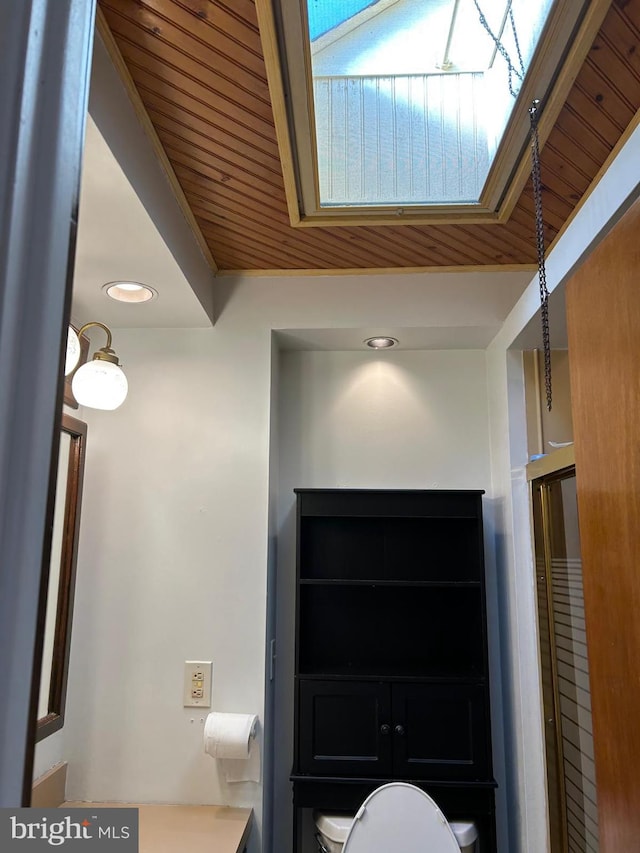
(396, 817)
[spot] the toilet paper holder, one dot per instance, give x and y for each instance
(231, 739)
(229, 735)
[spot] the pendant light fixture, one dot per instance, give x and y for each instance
(99, 383)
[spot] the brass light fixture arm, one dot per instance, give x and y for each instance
(105, 353)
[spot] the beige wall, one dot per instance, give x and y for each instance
(543, 425)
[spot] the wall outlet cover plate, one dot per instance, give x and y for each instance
(197, 684)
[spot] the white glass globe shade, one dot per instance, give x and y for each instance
(73, 351)
(100, 385)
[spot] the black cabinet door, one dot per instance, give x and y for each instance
(440, 732)
(345, 728)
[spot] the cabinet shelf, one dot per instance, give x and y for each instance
(329, 581)
(409, 549)
(312, 778)
(391, 664)
(382, 629)
(432, 678)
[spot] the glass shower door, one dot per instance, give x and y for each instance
(571, 779)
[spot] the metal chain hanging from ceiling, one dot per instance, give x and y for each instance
(536, 180)
(513, 71)
(542, 272)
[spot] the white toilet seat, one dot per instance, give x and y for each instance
(400, 818)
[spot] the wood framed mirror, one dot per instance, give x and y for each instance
(62, 576)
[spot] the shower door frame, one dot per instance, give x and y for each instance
(558, 466)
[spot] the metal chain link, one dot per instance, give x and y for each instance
(542, 273)
(502, 50)
(516, 40)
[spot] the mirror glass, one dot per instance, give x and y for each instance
(62, 570)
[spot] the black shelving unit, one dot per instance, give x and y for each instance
(391, 664)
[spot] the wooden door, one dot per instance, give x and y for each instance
(603, 320)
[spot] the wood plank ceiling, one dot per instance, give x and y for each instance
(198, 67)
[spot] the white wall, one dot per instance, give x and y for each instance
(174, 542)
(116, 119)
(366, 420)
(171, 567)
(49, 752)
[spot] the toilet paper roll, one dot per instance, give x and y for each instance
(229, 735)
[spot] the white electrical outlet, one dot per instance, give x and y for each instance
(197, 684)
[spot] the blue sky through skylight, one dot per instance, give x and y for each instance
(324, 15)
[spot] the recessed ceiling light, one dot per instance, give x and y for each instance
(130, 291)
(381, 342)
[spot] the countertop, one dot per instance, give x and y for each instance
(186, 829)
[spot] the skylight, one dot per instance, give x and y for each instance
(415, 110)
(411, 97)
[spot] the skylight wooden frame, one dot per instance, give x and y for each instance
(565, 41)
